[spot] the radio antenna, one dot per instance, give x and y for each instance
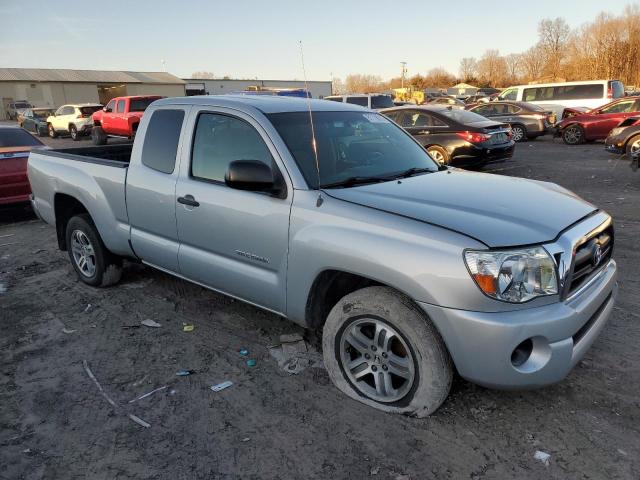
(314, 145)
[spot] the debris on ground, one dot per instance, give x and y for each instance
(68, 331)
(187, 327)
(185, 373)
(7, 244)
(125, 327)
(221, 386)
(251, 362)
(543, 457)
(150, 323)
(294, 355)
(246, 439)
(7, 235)
(375, 470)
(88, 308)
(3, 288)
(244, 352)
(135, 418)
(148, 394)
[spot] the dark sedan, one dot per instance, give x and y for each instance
(35, 120)
(455, 137)
(527, 121)
(625, 138)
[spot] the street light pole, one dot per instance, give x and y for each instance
(404, 70)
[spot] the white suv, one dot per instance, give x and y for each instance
(73, 119)
(374, 101)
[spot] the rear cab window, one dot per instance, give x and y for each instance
(381, 101)
(362, 101)
(161, 140)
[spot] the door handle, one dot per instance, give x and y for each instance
(188, 200)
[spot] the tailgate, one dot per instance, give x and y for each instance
(14, 184)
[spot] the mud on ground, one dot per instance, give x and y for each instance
(54, 424)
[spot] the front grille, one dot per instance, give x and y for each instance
(589, 257)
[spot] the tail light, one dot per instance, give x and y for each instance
(82, 116)
(609, 92)
(473, 137)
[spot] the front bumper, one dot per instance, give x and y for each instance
(615, 144)
(481, 344)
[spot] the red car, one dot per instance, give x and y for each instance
(15, 145)
(119, 118)
(597, 123)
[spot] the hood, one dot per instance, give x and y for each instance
(497, 210)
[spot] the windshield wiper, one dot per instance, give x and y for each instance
(411, 172)
(351, 181)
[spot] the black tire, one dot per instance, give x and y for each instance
(632, 145)
(107, 267)
(439, 154)
(41, 132)
(98, 136)
(573, 134)
(73, 131)
(519, 132)
(423, 348)
(52, 132)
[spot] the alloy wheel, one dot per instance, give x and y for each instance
(83, 253)
(573, 135)
(376, 360)
(437, 156)
(518, 133)
(634, 148)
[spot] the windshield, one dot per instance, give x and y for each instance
(140, 104)
(90, 110)
(349, 144)
(381, 101)
(42, 113)
(462, 116)
(16, 137)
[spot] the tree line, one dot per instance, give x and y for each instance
(607, 48)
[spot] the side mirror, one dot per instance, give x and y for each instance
(252, 175)
(106, 109)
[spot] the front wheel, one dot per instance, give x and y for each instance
(381, 350)
(52, 131)
(573, 135)
(98, 135)
(633, 146)
(94, 264)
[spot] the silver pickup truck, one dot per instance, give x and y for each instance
(334, 217)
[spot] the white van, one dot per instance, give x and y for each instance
(558, 96)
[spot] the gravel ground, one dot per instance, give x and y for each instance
(54, 424)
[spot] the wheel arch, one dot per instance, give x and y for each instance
(66, 207)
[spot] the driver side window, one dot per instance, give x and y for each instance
(111, 105)
(620, 107)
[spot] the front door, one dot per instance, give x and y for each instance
(233, 241)
(108, 115)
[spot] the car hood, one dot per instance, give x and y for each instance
(499, 211)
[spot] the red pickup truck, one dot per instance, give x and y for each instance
(119, 118)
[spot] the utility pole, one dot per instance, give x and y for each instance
(403, 72)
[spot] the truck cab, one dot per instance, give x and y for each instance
(120, 117)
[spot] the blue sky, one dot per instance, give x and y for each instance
(248, 39)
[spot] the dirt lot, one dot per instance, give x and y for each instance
(54, 424)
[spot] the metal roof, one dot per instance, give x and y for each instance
(264, 103)
(85, 76)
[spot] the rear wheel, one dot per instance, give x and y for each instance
(52, 131)
(439, 154)
(381, 350)
(73, 131)
(519, 132)
(573, 135)
(98, 136)
(94, 264)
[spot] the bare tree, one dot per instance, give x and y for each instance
(439, 78)
(337, 86)
(492, 68)
(468, 69)
(514, 61)
(203, 75)
(358, 83)
(554, 36)
(532, 62)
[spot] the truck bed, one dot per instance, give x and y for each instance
(111, 155)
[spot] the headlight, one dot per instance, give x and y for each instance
(615, 132)
(513, 275)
